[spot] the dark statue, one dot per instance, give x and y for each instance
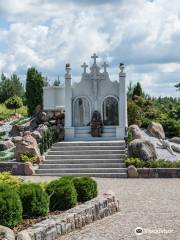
(96, 125)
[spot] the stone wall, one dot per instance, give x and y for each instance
(72, 219)
(134, 172)
(17, 168)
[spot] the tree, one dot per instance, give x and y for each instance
(34, 89)
(57, 82)
(137, 91)
(130, 90)
(14, 102)
(10, 87)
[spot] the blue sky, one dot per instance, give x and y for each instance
(144, 34)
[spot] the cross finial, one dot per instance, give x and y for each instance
(94, 56)
(105, 65)
(84, 66)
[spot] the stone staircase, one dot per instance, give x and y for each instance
(83, 133)
(85, 158)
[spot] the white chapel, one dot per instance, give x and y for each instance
(94, 92)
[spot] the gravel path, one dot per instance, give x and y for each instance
(153, 204)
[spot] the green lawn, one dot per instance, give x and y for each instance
(6, 113)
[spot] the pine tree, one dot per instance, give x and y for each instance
(137, 90)
(34, 89)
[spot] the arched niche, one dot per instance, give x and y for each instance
(110, 111)
(81, 112)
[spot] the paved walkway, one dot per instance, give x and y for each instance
(152, 204)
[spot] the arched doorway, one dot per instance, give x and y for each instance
(110, 111)
(81, 114)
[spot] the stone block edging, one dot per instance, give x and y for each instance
(153, 172)
(75, 218)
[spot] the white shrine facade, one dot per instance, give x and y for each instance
(95, 91)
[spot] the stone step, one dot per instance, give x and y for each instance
(81, 161)
(80, 165)
(97, 156)
(99, 175)
(90, 143)
(86, 135)
(88, 130)
(72, 148)
(82, 170)
(85, 152)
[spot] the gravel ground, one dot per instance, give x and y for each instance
(162, 153)
(152, 204)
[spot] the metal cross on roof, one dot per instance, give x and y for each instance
(105, 65)
(84, 66)
(94, 56)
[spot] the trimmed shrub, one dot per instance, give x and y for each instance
(12, 181)
(86, 188)
(10, 206)
(14, 102)
(62, 194)
(35, 200)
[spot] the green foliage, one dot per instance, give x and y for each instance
(7, 113)
(139, 163)
(28, 157)
(12, 181)
(62, 194)
(50, 136)
(34, 89)
(35, 200)
(129, 136)
(137, 91)
(86, 188)
(10, 87)
(14, 102)
(7, 155)
(56, 83)
(134, 113)
(10, 206)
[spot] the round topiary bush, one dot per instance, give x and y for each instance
(35, 200)
(10, 206)
(62, 194)
(86, 188)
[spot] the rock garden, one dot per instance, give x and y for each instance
(151, 154)
(24, 141)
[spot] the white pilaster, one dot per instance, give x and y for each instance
(121, 129)
(69, 130)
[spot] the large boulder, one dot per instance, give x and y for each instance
(136, 132)
(16, 130)
(27, 144)
(142, 149)
(132, 171)
(36, 134)
(175, 140)
(42, 129)
(156, 130)
(7, 144)
(6, 233)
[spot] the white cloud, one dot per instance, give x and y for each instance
(47, 34)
